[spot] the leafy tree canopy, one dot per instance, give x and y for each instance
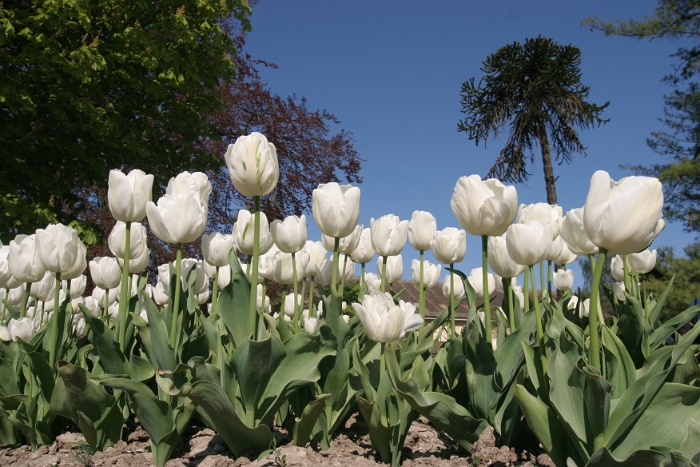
(88, 86)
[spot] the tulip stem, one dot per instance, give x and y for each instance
(421, 292)
(106, 303)
(27, 288)
(58, 322)
(342, 276)
(363, 281)
(526, 294)
(334, 272)
(297, 312)
(508, 295)
(540, 330)
(176, 302)
(312, 311)
(542, 283)
(549, 278)
(254, 271)
(452, 301)
(383, 286)
(626, 274)
(593, 314)
(125, 285)
(215, 291)
(485, 282)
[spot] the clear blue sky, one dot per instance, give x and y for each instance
(392, 71)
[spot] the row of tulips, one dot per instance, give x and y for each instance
(202, 343)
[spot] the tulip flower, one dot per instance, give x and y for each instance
(421, 228)
(383, 321)
(325, 273)
(336, 208)
(459, 291)
(178, 219)
(529, 243)
(252, 165)
(43, 289)
(317, 254)
(617, 269)
(290, 234)
(388, 235)
(346, 268)
(5, 272)
(58, 247)
(196, 184)
(475, 279)
(137, 264)
(243, 233)
(128, 195)
(105, 272)
(642, 262)
(21, 328)
(288, 306)
(216, 247)
(92, 305)
(566, 256)
(15, 296)
(623, 217)
(76, 287)
(5, 335)
(619, 290)
(161, 294)
(394, 268)
(449, 245)
(543, 212)
(347, 245)
(364, 252)
(311, 324)
(431, 273)
(499, 259)
(283, 270)
(24, 261)
(564, 280)
(201, 282)
(574, 233)
(137, 240)
(484, 207)
(80, 265)
(518, 292)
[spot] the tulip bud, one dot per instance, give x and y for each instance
(373, 281)
(290, 234)
(394, 268)
(243, 233)
(617, 268)
(529, 243)
(137, 240)
(383, 321)
(388, 235)
(623, 217)
(59, 248)
(364, 252)
(311, 323)
(431, 273)
(252, 165)
(459, 286)
(336, 208)
(216, 247)
(476, 280)
(24, 260)
(483, 207)
(642, 262)
(619, 290)
(128, 195)
(564, 280)
(449, 245)
(421, 229)
(499, 259)
(543, 212)
(105, 272)
(574, 233)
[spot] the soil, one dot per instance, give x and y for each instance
(202, 447)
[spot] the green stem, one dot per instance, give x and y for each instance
(334, 272)
(421, 291)
(27, 288)
(176, 301)
(542, 283)
(312, 311)
(540, 330)
(593, 313)
(526, 294)
(60, 319)
(626, 274)
(452, 302)
(302, 295)
(383, 286)
(106, 303)
(362, 276)
(124, 289)
(252, 312)
(549, 278)
(485, 281)
(297, 312)
(342, 276)
(215, 291)
(508, 293)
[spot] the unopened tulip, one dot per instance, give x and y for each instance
(383, 321)
(431, 273)
(475, 279)
(484, 207)
(642, 262)
(459, 286)
(336, 208)
(252, 165)
(290, 234)
(105, 272)
(529, 243)
(449, 245)
(617, 266)
(216, 247)
(584, 310)
(5, 271)
(543, 212)
(77, 286)
(196, 184)
(388, 235)
(373, 281)
(44, 289)
(619, 290)
(21, 328)
(499, 259)
(137, 240)
(573, 301)
(311, 324)
(364, 253)
(25, 263)
(317, 254)
(98, 294)
(623, 217)
(346, 245)
(201, 282)
(346, 268)
(421, 229)
(243, 233)
(60, 248)
(180, 218)
(288, 306)
(564, 280)
(574, 233)
(394, 268)
(161, 295)
(128, 195)
(137, 264)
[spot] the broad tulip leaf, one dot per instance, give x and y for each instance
(163, 353)
(56, 332)
(309, 417)
(642, 458)
(672, 420)
(380, 435)
(480, 368)
(623, 373)
(40, 368)
(8, 379)
(597, 400)
(75, 391)
(140, 368)
(544, 423)
(509, 354)
(209, 332)
(163, 450)
(666, 330)
(654, 313)
(441, 409)
(237, 435)
(234, 303)
(106, 343)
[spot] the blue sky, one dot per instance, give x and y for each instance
(392, 72)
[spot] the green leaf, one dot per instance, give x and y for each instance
(654, 313)
(161, 350)
(234, 302)
(641, 458)
(309, 417)
(106, 343)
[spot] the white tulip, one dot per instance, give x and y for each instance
(252, 165)
(244, 233)
(290, 234)
(383, 321)
(394, 268)
(449, 245)
(476, 280)
(336, 208)
(529, 243)
(459, 286)
(642, 262)
(564, 280)
(431, 273)
(483, 207)
(421, 229)
(388, 235)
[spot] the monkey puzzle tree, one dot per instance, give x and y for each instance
(534, 90)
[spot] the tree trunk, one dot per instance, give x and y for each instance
(548, 169)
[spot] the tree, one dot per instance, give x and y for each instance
(91, 86)
(675, 19)
(534, 89)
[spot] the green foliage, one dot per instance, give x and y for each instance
(686, 285)
(532, 91)
(91, 86)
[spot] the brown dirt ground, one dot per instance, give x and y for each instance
(201, 447)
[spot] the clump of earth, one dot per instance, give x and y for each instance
(202, 447)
